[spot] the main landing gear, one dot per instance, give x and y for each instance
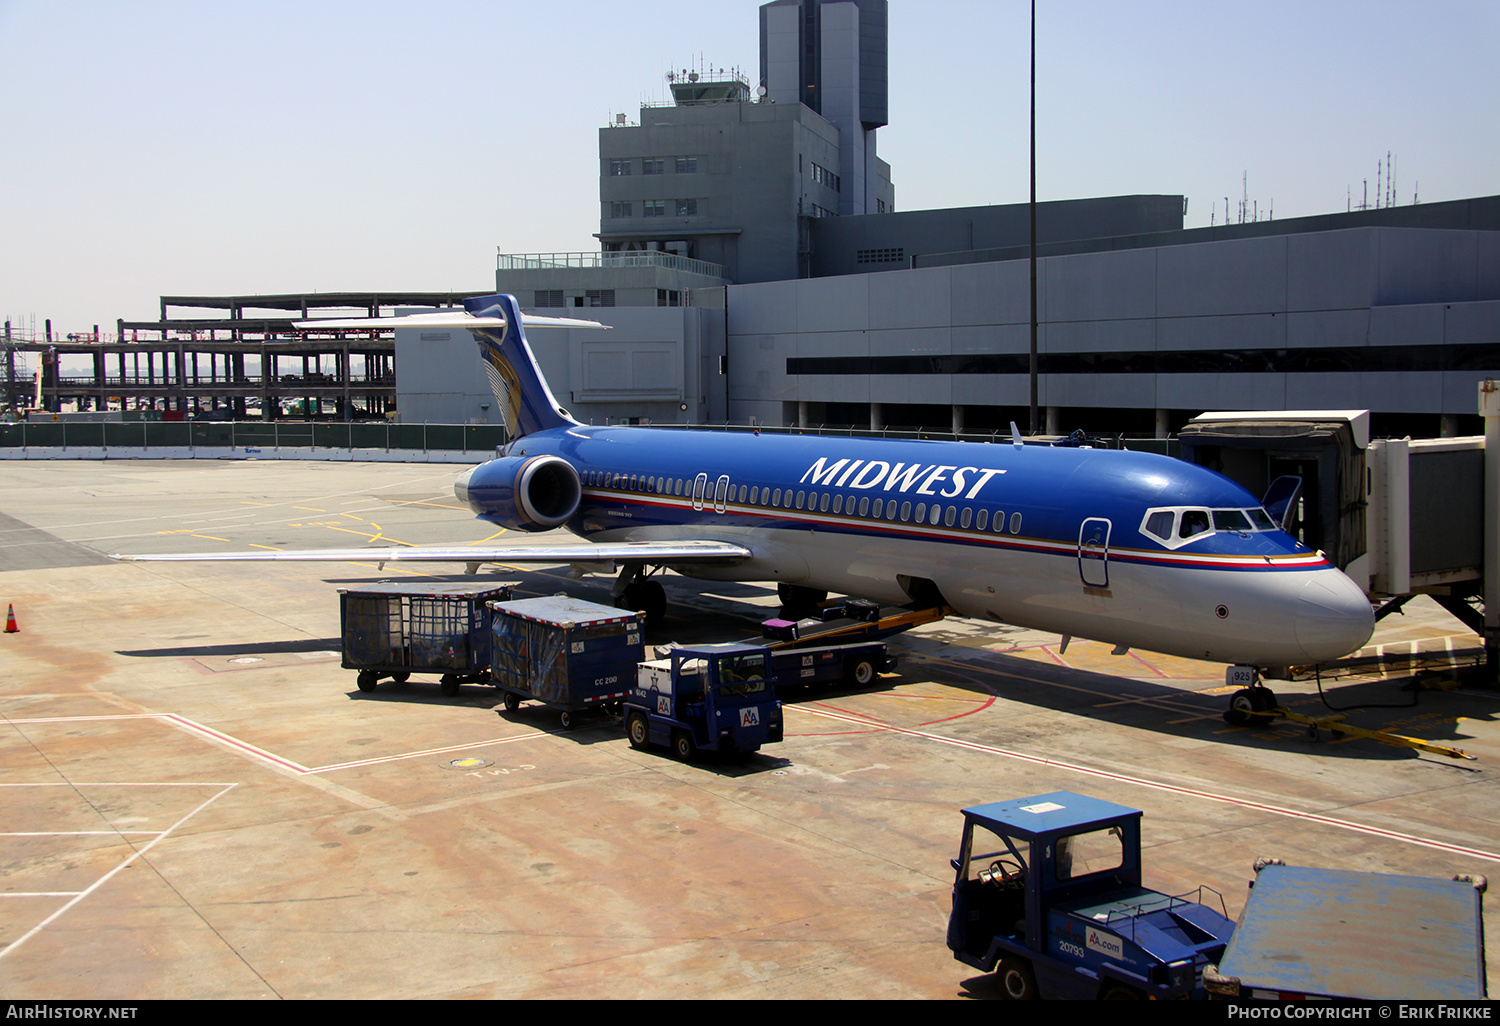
(642, 594)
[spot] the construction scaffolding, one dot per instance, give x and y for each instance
(231, 367)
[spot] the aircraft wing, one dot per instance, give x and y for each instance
(454, 318)
(691, 551)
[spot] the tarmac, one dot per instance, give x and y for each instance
(197, 802)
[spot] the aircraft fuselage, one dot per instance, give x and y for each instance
(1128, 548)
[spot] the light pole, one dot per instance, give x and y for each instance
(1035, 427)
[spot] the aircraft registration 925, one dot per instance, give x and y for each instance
(1131, 549)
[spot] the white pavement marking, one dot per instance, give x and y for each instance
(230, 741)
(1276, 810)
(80, 895)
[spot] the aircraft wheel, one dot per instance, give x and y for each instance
(638, 731)
(449, 684)
(1250, 705)
(366, 680)
(860, 673)
(682, 745)
(632, 598)
(512, 701)
(1015, 979)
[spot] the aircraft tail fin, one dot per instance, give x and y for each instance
(521, 391)
(524, 399)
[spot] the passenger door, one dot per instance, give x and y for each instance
(1093, 552)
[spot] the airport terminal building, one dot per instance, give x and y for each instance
(785, 295)
(755, 270)
(1396, 311)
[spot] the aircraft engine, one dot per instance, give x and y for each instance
(523, 493)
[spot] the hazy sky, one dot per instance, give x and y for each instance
(210, 147)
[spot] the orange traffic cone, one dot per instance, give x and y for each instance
(10, 620)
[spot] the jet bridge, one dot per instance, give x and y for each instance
(1402, 517)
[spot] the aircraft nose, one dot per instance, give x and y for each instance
(1333, 616)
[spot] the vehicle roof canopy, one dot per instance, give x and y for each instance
(1057, 812)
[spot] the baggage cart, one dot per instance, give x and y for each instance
(1340, 935)
(394, 629)
(570, 655)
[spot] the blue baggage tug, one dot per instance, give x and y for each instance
(1049, 888)
(392, 630)
(711, 698)
(570, 655)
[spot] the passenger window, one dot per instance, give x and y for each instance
(755, 496)
(968, 515)
(864, 505)
(983, 520)
(921, 512)
(823, 503)
(999, 521)
(799, 499)
(1015, 523)
(838, 504)
(905, 511)
(890, 509)
(878, 508)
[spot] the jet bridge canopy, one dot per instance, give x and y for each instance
(1325, 448)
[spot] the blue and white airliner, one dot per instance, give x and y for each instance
(1132, 549)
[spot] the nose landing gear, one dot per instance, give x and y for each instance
(1253, 703)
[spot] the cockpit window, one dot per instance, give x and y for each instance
(1230, 520)
(1194, 523)
(1177, 526)
(1159, 524)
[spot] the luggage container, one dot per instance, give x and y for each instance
(396, 629)
(568, 654)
